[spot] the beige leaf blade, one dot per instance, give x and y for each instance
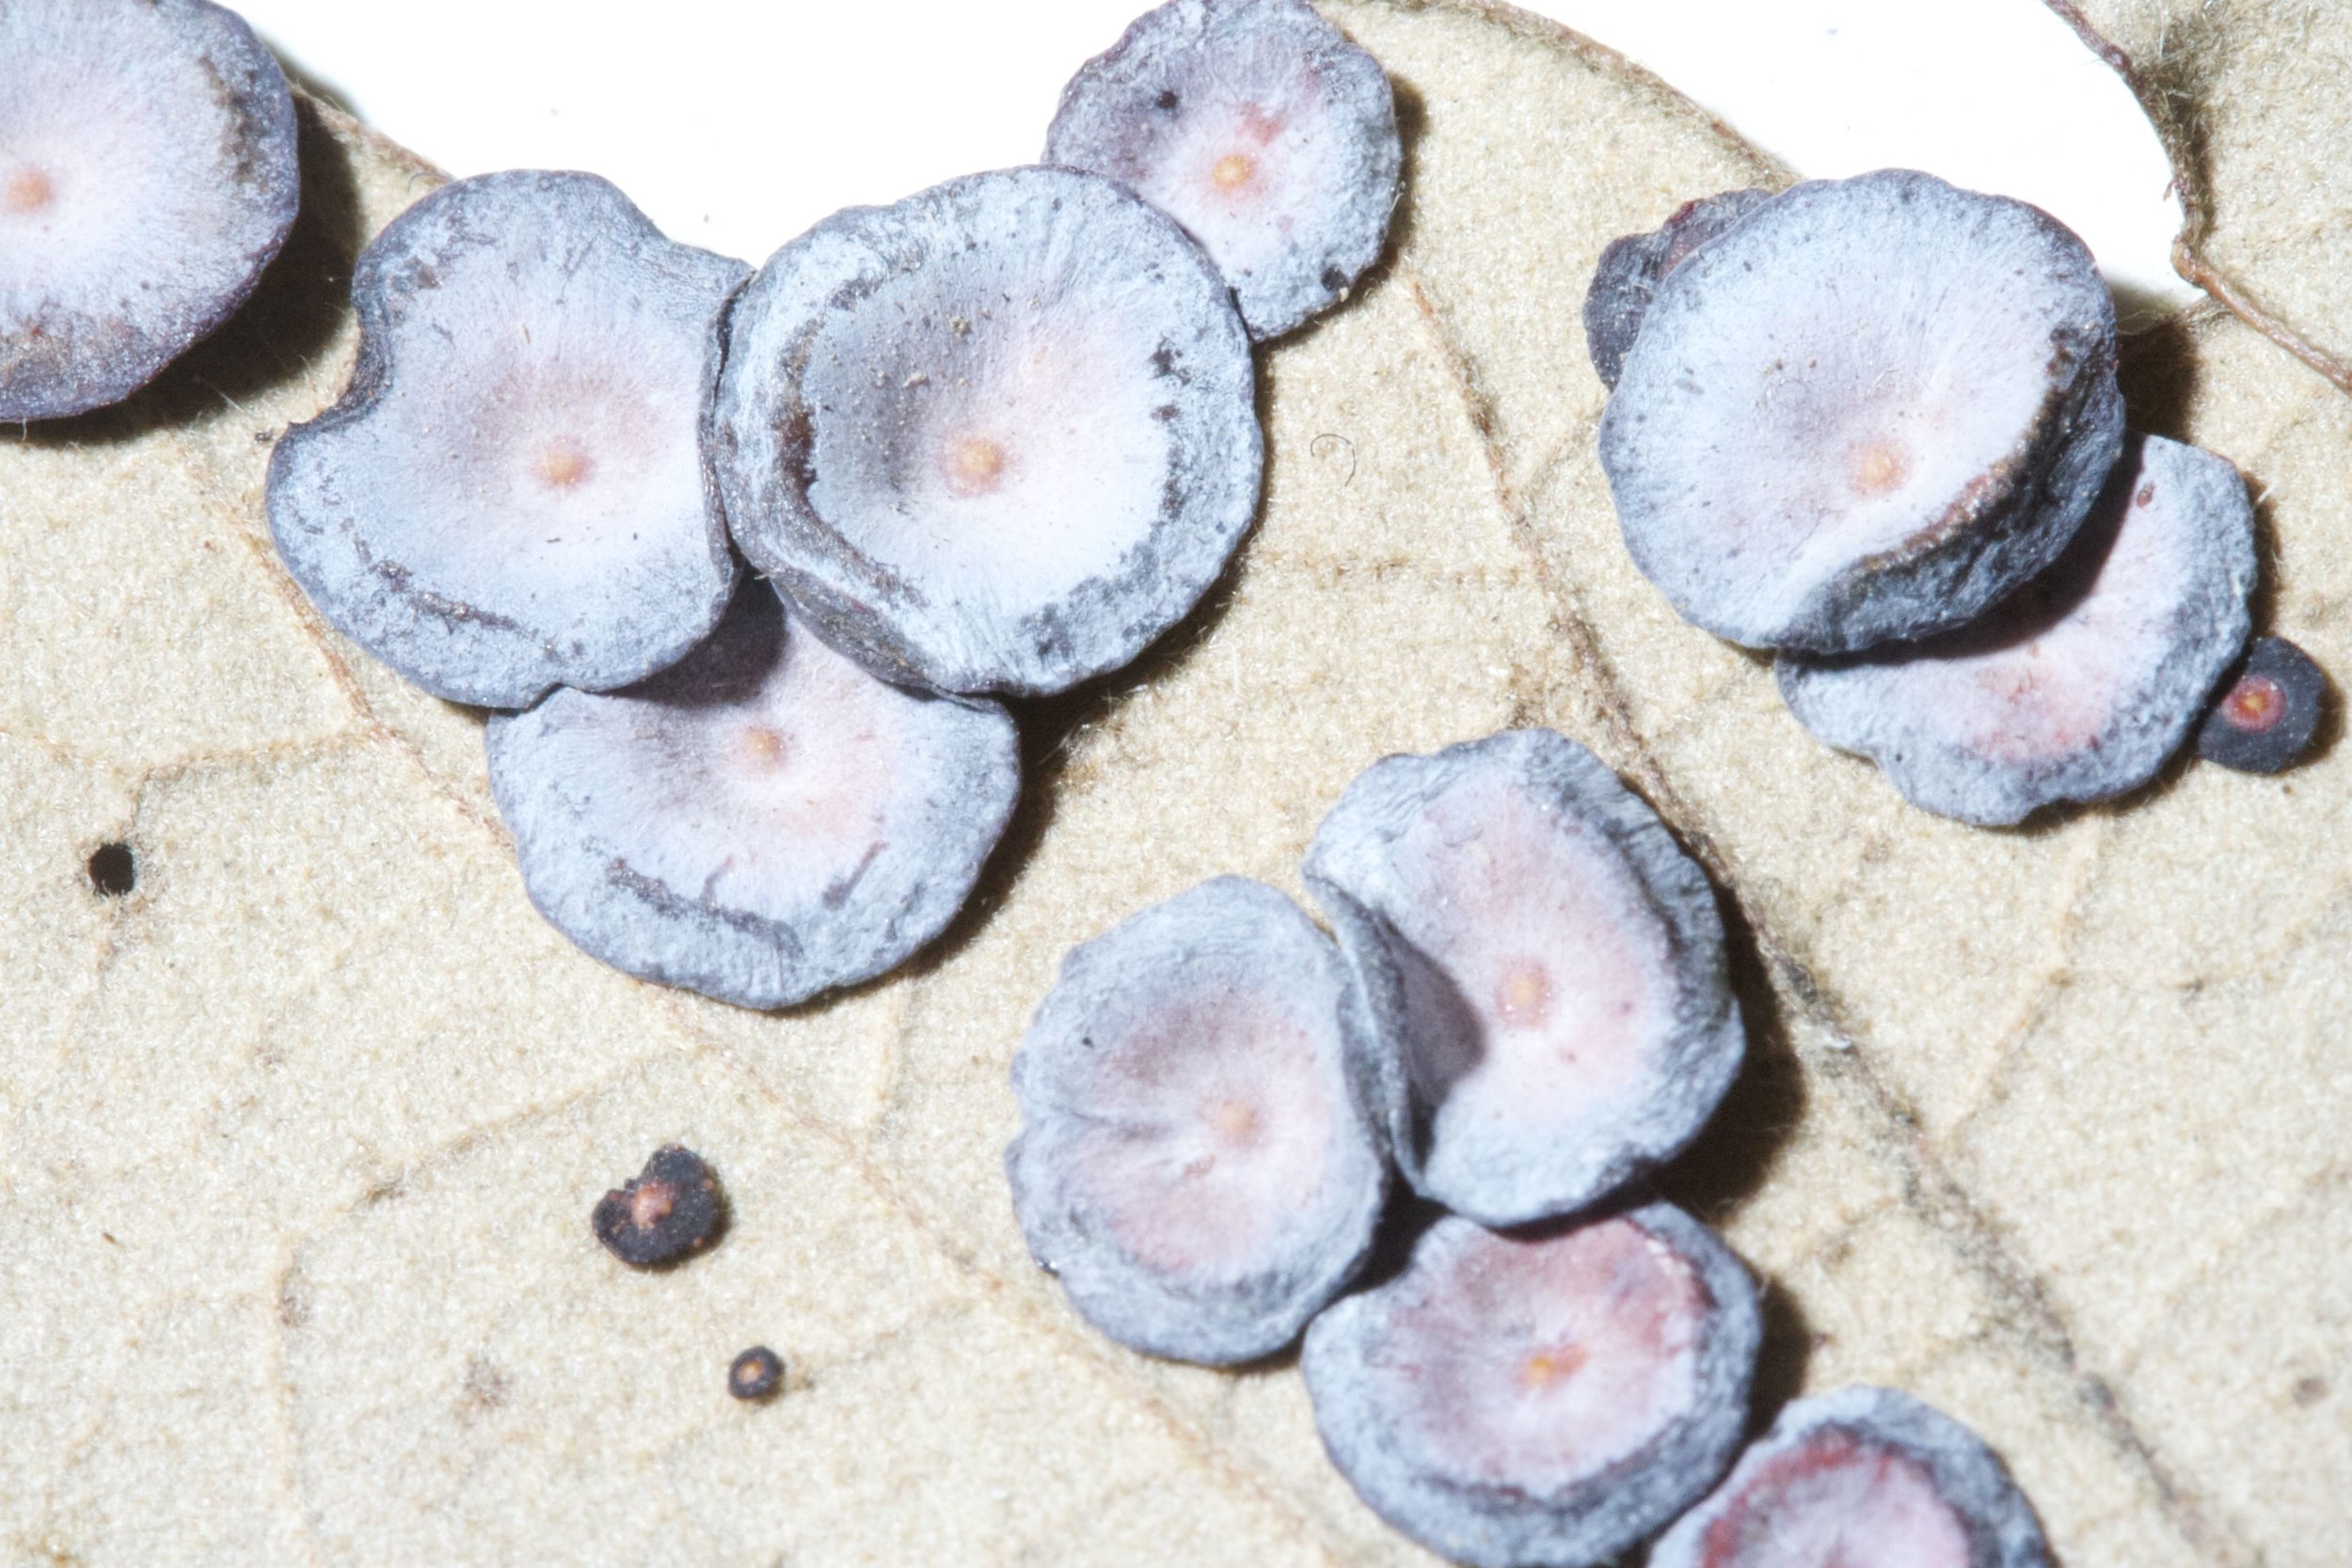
(297, 1143)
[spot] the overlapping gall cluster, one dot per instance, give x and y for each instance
(1526, 1007)
(1873, 425)
(992, 441)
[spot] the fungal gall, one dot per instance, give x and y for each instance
(1547, 1396)
(2264, 716)
(1631, 268)
(512, 494)
(756, 1374)
(1263, 129)
(995, 439)
(1867, 411)
(148, 176)
(669, 1211)
(1195, 1163)
(1861, 1475)
(763, 822)
(1545, 967)
(2080, 687)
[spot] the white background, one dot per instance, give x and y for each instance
(737, 123)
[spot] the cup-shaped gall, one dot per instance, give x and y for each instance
(2079, 687)
(1545, 968)
(2265, 715)
(1632, 266)
(1263, 129)
(1540, 1398)
(762, 822)
(1861, 1475)
(148, 175)
(1867, 411)
(512, 496)
(1196, 1163)
(995, 439)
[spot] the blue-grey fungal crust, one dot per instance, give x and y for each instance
(1263, 129)
(1867, 411)
(997, 438)
(760, 823)
(1544, 966)
(1540, 1398)
(1195, 1162)
(2082, 685)
(513, 493)
(148, 176)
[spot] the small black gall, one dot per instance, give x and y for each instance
(671, 1211)
(756, 1374)
(2262, 722)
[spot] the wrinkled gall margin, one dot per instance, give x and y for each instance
(1862, 1469)
(1540, 1398)
(1195, 1161)
(995, 439)
(1263, 129)
(761, 823)
(148, 176)
(513, 493)
(1631, 267)
(1544, 966)
(1867, 411)
(2078, 689)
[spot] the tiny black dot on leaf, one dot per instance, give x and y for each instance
(114, 871)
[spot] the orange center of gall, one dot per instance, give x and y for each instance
(974, 465)
(760, 746)
(650, 1204)
(28, 190)
(1546, 1368)
(1877, 468)
(2256, 704)
(564, 463)
(1524, 997)
(1234, 1121)
(1233, 171)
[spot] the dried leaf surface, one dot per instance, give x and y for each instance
(298, 1142)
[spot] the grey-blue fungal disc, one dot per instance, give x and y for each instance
(513, 495)
(995, 439)
(763, 822)
(1263, 129)
(1195, 1160)
(1862, 1474)
(1545, 965)
(148, 175)
(1867, 411)
(1631, 267)
(1550, 1398)
(2078, 688)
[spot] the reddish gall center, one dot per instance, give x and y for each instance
(1237, 1121)
(2256, 704)
(27, 190)
(1523, 999)
(650, 1204)
(1547, 1369)
(1233, 171)
(761, 746)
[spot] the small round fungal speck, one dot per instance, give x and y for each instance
(756, 1374)
(1861, 1475)
(1194, 1163)
(513, 493)
(113, 870)
(669, 1211)
(1631, 268)
(2264, 719)
(763, 822)
(1545, 967)
(2078, 688)
(1548, 1398)
(1263, 129)
(1867, 411)
(148, 176)
(995, 439)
